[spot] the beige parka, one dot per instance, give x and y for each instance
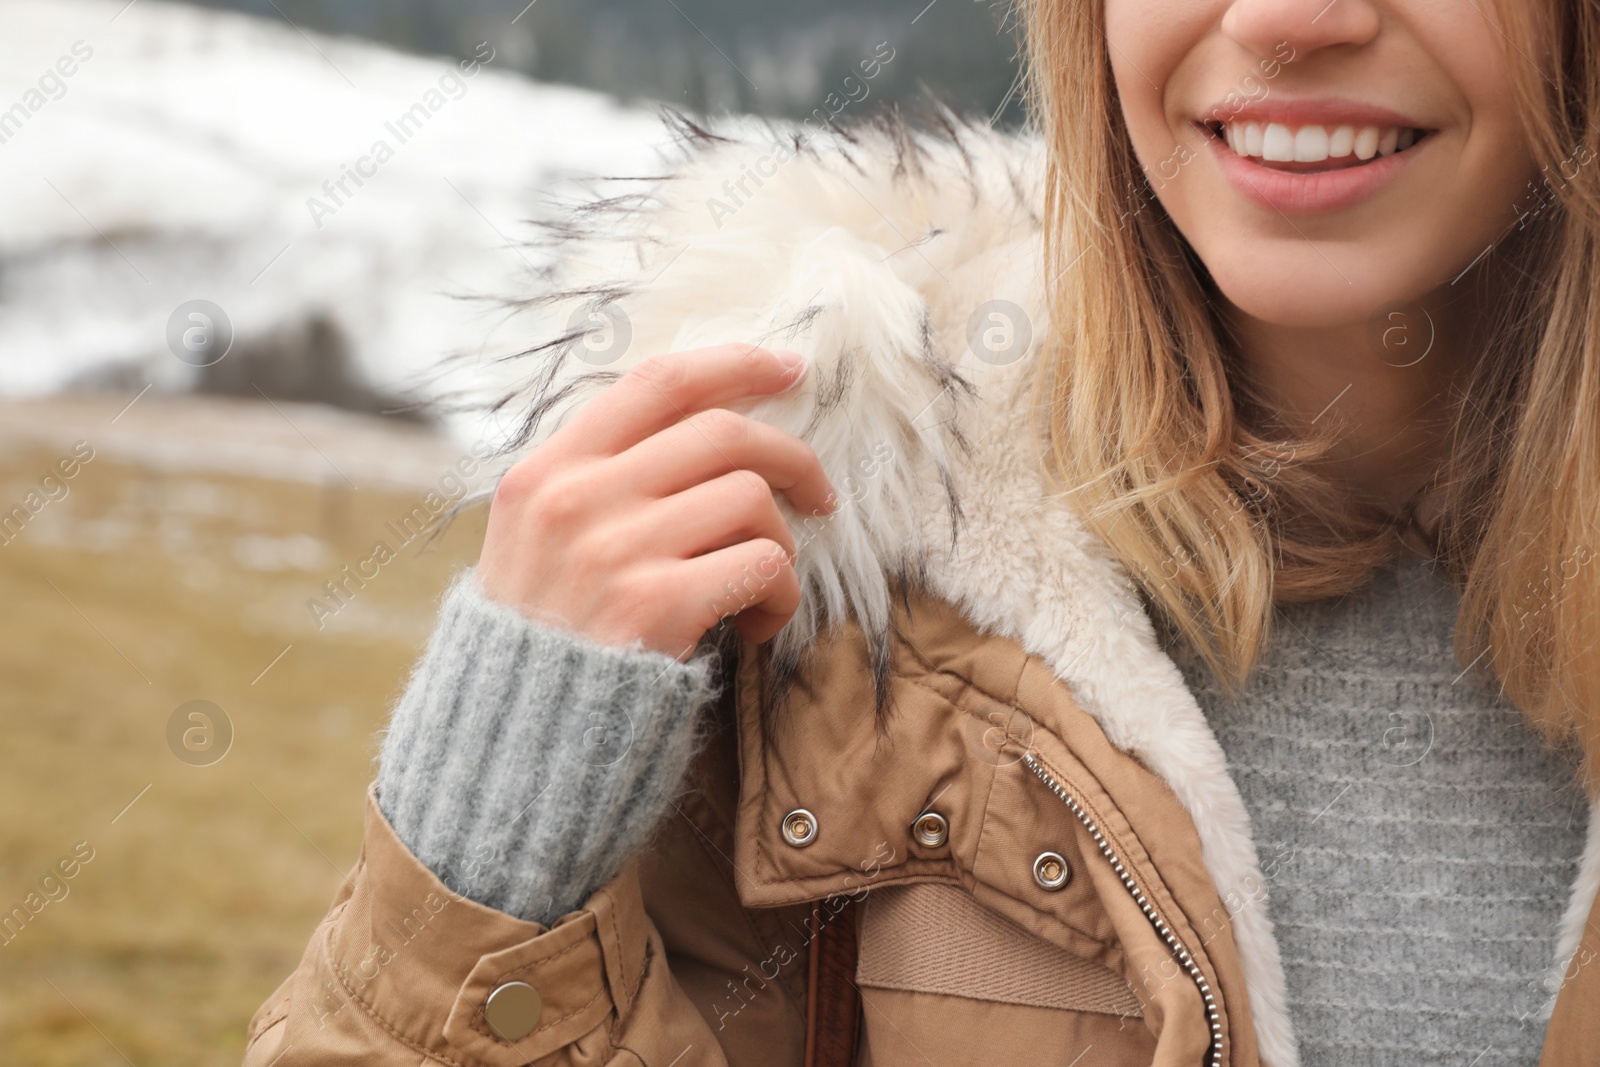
(988, 823)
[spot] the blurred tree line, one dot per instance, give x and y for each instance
(766, 57)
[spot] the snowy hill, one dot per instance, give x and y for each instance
(153, 154)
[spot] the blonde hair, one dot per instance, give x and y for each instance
(1219, 517)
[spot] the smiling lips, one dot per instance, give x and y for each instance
(1311, 157)
(1346, 145)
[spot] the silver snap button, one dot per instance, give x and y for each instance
(513, 1010)
(799, 828)
(1050, 870)
(931, 829)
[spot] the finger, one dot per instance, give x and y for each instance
(713, 515)
(714, 442)
(758, 626)
(754, 579)
(667, 389)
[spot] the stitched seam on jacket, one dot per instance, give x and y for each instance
(278, 1015)
(614, 1031)
(622, 956)
(528, 966)
(372, 1013)
(638, 985)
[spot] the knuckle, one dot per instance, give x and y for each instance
(807, 453)
(798, 451)
(725, 427)
(665, 372)
(559, 500)
(520, 482)
(770, 553)
(749, 494)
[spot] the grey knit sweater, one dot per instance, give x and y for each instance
(523, 764)
(1419, 840)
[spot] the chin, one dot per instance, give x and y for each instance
(1315, 295)
(1306, 311)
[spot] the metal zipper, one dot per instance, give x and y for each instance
(1214, 1054)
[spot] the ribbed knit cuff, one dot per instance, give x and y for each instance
(524, 763)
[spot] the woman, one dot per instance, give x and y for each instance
(1077, 502)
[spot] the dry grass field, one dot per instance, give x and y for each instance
(179, 565)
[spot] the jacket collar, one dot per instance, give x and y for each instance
(908, 268)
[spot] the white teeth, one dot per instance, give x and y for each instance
(1366, 145)
(1310, 144)
(1276, 142)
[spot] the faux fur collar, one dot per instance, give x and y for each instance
(907, 267)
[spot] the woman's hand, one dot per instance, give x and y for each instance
(651, 515)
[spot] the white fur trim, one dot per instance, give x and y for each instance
(870, 255)
(1585, 889)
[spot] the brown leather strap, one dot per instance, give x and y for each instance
(833, 1002)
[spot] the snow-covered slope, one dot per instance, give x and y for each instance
(152, 154)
